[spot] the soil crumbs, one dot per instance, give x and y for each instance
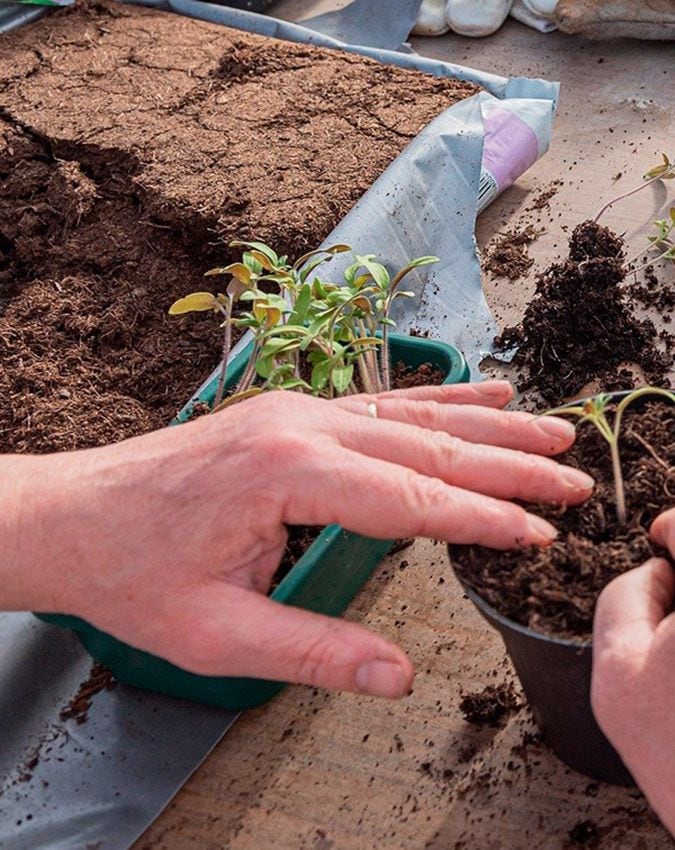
(134, 146)
(554, 590)
(490, 706)
(509, 256)
(579, 326)
(99, 679)
(543, 199)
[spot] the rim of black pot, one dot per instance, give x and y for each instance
(478, 600)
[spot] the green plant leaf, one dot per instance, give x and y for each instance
(263, 260)
(329, 252)
(376, 270)
(294, 383)
(193, 303)
(261, 247)
(237, 397)
(252, 264)
(341, 377)
(320, 374)
(306, 271)
(241, 272)
(302, 302)
(278, 345)
(665, 170)
(264, 366)
(366, 340)
(413, 264)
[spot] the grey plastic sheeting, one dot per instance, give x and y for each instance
(70, 786)
(13, 15)
(100, 784)
(370, 23)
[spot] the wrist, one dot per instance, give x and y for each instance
(29, 499)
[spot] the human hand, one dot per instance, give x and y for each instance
(633, 688)
(169, 541)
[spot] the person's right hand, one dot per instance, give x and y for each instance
(633, 688)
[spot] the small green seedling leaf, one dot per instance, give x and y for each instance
(329, 252)
(376, 270)
(341, 377)
(262, 248)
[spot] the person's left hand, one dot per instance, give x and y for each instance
(633, 689)
(169, 541)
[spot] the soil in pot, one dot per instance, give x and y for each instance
(134, 145)
(554, 590)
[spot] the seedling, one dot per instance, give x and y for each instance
(309, 334)
(595, 410)
(661, 240)
(663, 171)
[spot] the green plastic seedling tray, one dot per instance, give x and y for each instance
(325, 579)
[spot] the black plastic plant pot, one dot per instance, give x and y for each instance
(556, 676)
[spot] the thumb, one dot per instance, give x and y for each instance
(631, 607)
(246, 634)
(663, 530)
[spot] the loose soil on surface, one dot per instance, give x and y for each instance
(509, 256)
(491, 706)
(580, 327)
(99, 679)
(134, 146)
(554, 590)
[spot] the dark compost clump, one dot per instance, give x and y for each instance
(580, 327)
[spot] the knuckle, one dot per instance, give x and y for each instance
(286, 447)
(316, 659)
(427, 414)
(422, 495)
(442, 452)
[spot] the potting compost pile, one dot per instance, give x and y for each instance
(133, 146)
(92, 195)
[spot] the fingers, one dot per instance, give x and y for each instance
(245, 634)
(545, 435)
(382, 499)
(630, 609)
(488, 393)
(503, 473)
(663, 530)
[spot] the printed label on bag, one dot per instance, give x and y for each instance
(488, 189)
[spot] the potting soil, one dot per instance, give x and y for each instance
(554, 590)
(134, 146)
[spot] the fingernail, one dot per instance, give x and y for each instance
(382, 679)
(577, 479)
(543, 532)
(559, 429)
(493, 389)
